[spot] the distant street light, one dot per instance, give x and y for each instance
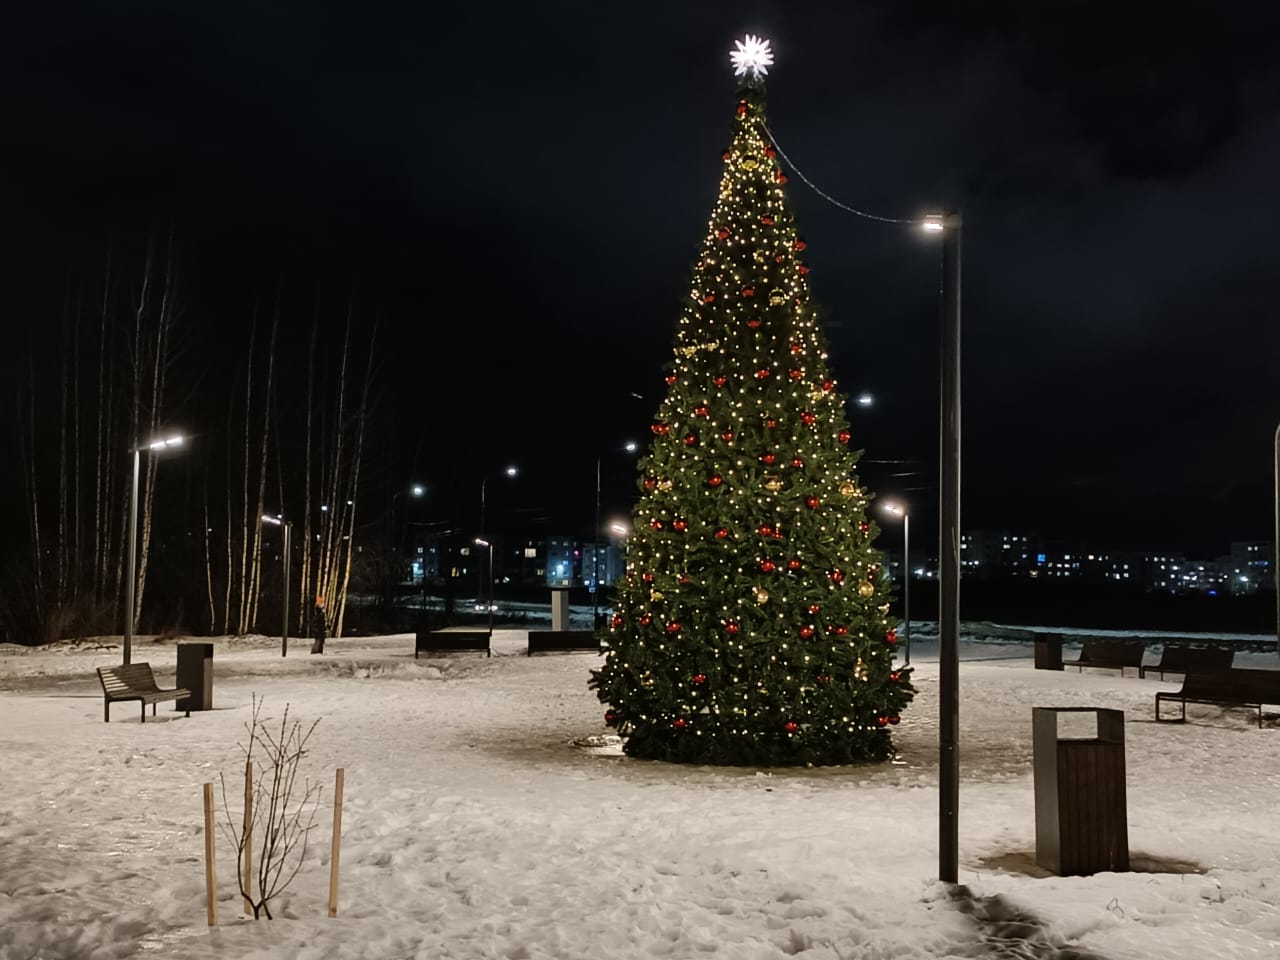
(901, 511)
(509, 471)
(620, 529)
(630, 447)
(155, 446)
(866, 400)
(417, 491)
(481, 542)
(285, 527)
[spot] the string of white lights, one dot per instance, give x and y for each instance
(826, 196)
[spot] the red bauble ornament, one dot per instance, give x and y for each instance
(699, 679)
(841, 630)
(795, 374)
(793, 564)
(683, 578)
(709, 298)
(770, 423)
(762, 373)
(778, 258)
(748, 291)
(815, 607)
(655, 524)
(864, 527)
(812, 503)
(806, 632)
(679, 524)
(670, 378)
(768, 566)
(891, 637)
(610, 718)
(764, 530)
(727, 436)
(797, 462)
(767, 220)
(673, 626)
(797, 347)
(800, 244)
(725, 155)
(691, 440)
(768, 459)
(894, 676)
(780, 177)
(843, 436)
(715, 480)
(650, 483)
(770, 152)
(808, 419)
(791, 726)
(646, 620)
(721, 533)
(723, 233)
(742, 107)
(802, 268)
(837, 576)
(828, 385)
(699, 411)
(895, 719)
(731, 627)
(661, 429)
(616, 621)
(719, 380)
(679, 723)
(647, 577)
(881, 721)
(754, 323)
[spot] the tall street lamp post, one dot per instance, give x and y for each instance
(901, 511)
(631, 447)
(285, 527)
(1275, 544)
(394, 540)
(510, 471)
(481, 542)
(949, 225)
(154, 446)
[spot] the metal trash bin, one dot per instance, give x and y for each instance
(195, 673)
(1048, 652)
(1081, 811)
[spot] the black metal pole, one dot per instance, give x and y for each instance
(906, 585)
(949, 560)
(595, 558)
(490, 590)
(1275, 545)
(284, 627)
(132, 571)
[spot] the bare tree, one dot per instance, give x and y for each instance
(284, 810)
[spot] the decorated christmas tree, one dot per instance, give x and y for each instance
(752, 626)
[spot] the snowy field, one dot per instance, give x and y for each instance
(477, 824)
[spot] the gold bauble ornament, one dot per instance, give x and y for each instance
(773, 483)
(847, 489)
(777, 297)
(866, 589)
(884, 609)
(655, 595)
(761, 595)
(664, 485)
(749, 163)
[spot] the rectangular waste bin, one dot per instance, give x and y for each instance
(195, 673)
(1081, 816)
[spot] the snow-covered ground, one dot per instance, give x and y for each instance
(477, 824)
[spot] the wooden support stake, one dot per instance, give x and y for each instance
(210, 873)
(248, 835)
(337, 834)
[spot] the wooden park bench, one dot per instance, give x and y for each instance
(1185, 660)
(451, 641)
(546, 641)
(1111, 654)
(1224, 688)
(134, 681)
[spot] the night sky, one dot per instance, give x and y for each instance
(515, 194)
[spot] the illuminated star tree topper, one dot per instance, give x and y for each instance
(752, 58)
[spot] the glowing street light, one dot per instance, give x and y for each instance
(153, 446)
(899, 510)
(285, 527)
(866, 400)
(481, 542)
(630, 447)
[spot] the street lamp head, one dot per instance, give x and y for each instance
(512, 471)
(418, 490)
(933, 223)
(274, 521)
(897, 509)
(631, 446)
(481, 542)
(865, 400)
(621, 529)
(175, 441)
